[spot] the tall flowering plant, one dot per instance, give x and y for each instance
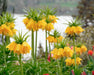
(7, 25)
(33, 22)
(70, 55)
(53, 39)
(49, 16)
(72, 30)
(60, 53)
(19, 46)
(6, 30)
(39, 19)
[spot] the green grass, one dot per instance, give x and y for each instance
(67, 4)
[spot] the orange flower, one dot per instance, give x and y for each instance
(53, 18)
(50, 39)
(59, 39)
(49, 27)
(26, 20)
(11, 46)
(18, 49)
(25, 48)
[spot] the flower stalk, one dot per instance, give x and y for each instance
(32, 44)
(21, 65)
(50, 50)
(36, 46)
(74, 50)
(46, 45)
(7, 40)
(4, 54)
(60, 70)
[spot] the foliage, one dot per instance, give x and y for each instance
(87, 37)
(75, 22)
(6, 17)
(19, 39)
(10, 58)
(87, 14)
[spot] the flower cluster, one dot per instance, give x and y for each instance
(74, 27)
(52, 18)
(23, 48)
(70, 61)
(7, 25)
(19, 46)
(31, 24)
(52, 39)
(49, 27)
(80, 50)
(58, 53)
(74, 30)
(37, 20)
(55, 37)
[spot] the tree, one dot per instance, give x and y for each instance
(3, 6)
(86, 11)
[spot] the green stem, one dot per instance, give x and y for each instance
(32, 44)
(21, 65)
(46, 46)
(74, 50)
(7, 40)
(57, 42)
(4, 54)
(50, 50)
(54, 45)
(31, 41)
(60, 69)
(36, 46)
(61, 62)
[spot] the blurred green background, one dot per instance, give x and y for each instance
(64, 7)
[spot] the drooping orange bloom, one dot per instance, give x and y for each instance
(30, 24)
(50, 39)
(49, 27)
(11, 46)
(23, 48)
(42, 24)
(59, 39)
(68, 52)
(70, 30)
(58, 53)
(5, 30)
(74, 30)
(68, 62)
(83, 48)
(53, 18)
(78, 61)
(78, 50)
(26, 20)
(10, 25)
(79, 29)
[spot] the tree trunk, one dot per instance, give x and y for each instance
(3, 6)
